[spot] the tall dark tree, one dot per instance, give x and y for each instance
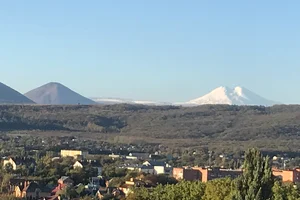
(256, 182)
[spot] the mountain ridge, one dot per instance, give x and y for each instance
(10, 96)
(55, 93)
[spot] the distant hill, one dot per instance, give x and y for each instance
(11, 96)
(57, 94)
(213, 126)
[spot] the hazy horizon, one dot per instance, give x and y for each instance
(170, 51)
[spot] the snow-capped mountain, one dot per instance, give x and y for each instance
(111, 101)
(235, 96)
(220, 95)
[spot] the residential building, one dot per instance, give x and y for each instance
(208, 174)
(114, 156)
(128, 185)
(159, 167)
(204, 174)
(11, 162)
(77, 164)
(92, 163)
(292, 175)
(63, 182)
(19, 161)
(188, 174)
(146, 169)
(138, 156)
(74, 153)
(16, 182)
(32, 190)
(97, 183)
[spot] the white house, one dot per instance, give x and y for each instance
(74, 153)
(77, 164)
(94, 164)
(159, 167)
(138, 156)
(10, 161)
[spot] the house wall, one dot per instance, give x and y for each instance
(131, 157)
(148, 171)
(191, 175)
(159, 169)
(77, 165)
(288, 175)
(73, 153)
(186, 174)
(203, 172)
(178, 173)
(10, 161)
(33, 194)
(18, 192)
(210, 174)
(142, 156)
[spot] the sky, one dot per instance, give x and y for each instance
(157, 50)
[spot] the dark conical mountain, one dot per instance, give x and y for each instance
(56, 94)
(11, 96)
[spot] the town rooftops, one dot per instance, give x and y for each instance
(155, 163)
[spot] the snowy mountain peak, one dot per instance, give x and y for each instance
(235, 96)
(238, 90)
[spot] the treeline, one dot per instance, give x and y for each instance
(269, 127)
(220, 189)
(256, 183)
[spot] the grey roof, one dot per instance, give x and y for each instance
(157, 163)
(147, 167)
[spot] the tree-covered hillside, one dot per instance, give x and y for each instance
(209, 124)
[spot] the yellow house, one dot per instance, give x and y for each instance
(74, 153)
(10, 161)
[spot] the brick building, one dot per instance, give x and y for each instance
(207, 174)
(204, 174)
(288, 175)
(186, 174)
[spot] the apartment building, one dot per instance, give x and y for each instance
(204, 174)
(292, 175)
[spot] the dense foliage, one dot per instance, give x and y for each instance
(256, 183)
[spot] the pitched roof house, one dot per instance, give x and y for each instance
(32, 190)
(19, 161)
(93, 163)
(159, 167)
(63, 182)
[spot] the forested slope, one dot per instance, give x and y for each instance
(214, 121)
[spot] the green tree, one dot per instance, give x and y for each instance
(5, 183)
(291, 191)
(256, 182)
(68, 192)
(218, 189)
(278, 191)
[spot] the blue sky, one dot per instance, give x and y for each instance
(152, 50)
